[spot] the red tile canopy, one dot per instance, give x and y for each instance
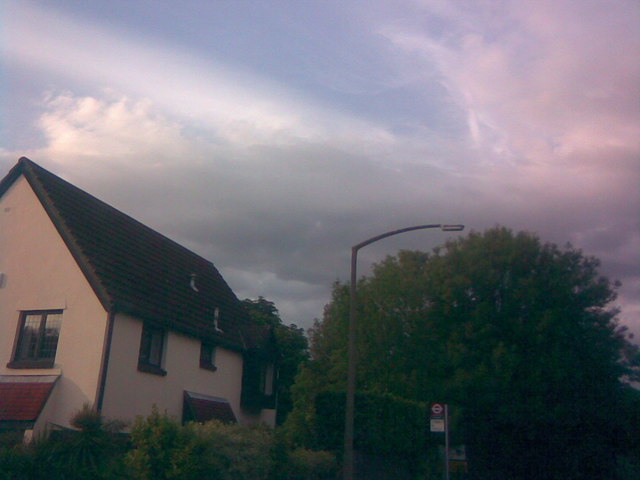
(22, 397)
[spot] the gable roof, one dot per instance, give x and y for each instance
(135, 270)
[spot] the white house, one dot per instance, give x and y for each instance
(97, 308)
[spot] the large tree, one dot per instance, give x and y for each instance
(519, 334)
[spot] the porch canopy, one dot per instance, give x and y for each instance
(22, 398)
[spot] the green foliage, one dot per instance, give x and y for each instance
(14, 462)
(293, 350)
(230, 451)
(298, 463)
(384, 424)
(155, 439)
(162, 449)
(516, 332)
(159, 449)
(95, 450)
(305, 464)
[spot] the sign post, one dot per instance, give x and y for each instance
(439, 423)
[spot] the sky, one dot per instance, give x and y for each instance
(271, 136)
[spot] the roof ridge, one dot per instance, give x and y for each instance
(28, 163)
(134, 269)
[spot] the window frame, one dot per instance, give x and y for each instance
(267, 379)
(145, 363)
(208, 356)
(37, 361)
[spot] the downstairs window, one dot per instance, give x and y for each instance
(37, 343)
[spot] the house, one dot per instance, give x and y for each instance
(96, 308)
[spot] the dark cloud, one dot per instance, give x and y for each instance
(431, 112)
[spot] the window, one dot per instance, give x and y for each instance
(151, 350)
(208, 356)
(258, 381)
(266, 379)
(37, 339)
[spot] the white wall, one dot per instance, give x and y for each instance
(130, 393)
(40, 274)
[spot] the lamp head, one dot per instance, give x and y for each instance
(451, 228)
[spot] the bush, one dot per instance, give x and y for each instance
(159, 448)
(229, 451)
(155, 440)
(165, 450)
(13, 463)
(93, 451)
(304, 464)
(384, 424)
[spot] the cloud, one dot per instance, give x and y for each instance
(531, 122)
(280, 219)
(246, 107)
(541, 80)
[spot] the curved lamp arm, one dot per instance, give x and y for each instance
(351, 350)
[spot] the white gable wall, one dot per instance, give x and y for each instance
(129, 392)
(39, 273)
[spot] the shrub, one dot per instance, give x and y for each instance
(94, 450)
(384, 424)
(228, 451)
(304, 464)
(164, 450)
(155, 440)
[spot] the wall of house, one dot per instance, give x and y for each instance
(39, 273)
(130, 392)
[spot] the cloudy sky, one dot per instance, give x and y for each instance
(271, 136)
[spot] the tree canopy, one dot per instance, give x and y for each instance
(521, 335)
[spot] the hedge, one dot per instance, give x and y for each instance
(384, 424)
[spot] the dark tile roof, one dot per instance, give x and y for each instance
(202, 408)
(136, 270)
(22, 398)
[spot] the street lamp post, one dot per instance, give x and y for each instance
(348, 459)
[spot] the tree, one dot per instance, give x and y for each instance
(292, 346)
(518, 333)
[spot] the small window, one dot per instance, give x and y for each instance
(37, 339)
(266, 379)
(208, 356)
(152, 350)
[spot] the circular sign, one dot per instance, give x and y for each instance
(437, 409)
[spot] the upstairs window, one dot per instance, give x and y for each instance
(208, 356)
(152, 346)
(37, 343)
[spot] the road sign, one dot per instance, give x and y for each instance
(437, 410)
(437, 425)
(438, 419)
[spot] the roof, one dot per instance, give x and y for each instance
(22, 397)
(135, 270)
(202, 408)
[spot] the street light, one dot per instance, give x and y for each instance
(351, 352)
